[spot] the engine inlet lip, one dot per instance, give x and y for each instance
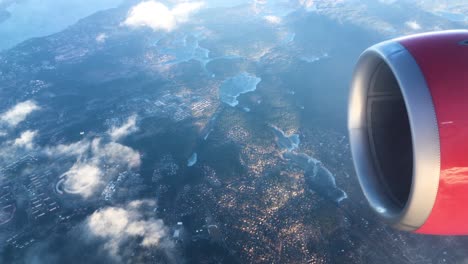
(424, 135)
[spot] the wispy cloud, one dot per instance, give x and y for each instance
(18, 113)
(74, 149)
(115, 153)
(387, 2)
(308, 4)
(12, 148)
(158, 16)
(126, 129)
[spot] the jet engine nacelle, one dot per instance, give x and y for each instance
(408, 127)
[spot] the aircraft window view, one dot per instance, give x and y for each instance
(211, 131)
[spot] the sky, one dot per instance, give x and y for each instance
(35, 18)
(24, 19)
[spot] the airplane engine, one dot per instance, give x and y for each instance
(408, 129)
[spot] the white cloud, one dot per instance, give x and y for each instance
(115, 153)
(26, 139)
(183, 11)
(273, 19)
(82, 179)
(101, 38)
(413, 25)
(14, 148)
(108, 152)
(119, 224)
(97, 162)
(158, 16)
(18, 113)
(73, 149)
(140, 203)
(308, 4)
(129, 127)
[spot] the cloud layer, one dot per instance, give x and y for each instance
(158, 16)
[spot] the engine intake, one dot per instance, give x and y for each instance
(408, 127)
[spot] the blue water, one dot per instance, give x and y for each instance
(192, 160)
(317, 176)
(320, 179)
(240, 84)
(286, 142)
(177, 48)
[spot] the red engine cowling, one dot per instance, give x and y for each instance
(408, 127)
